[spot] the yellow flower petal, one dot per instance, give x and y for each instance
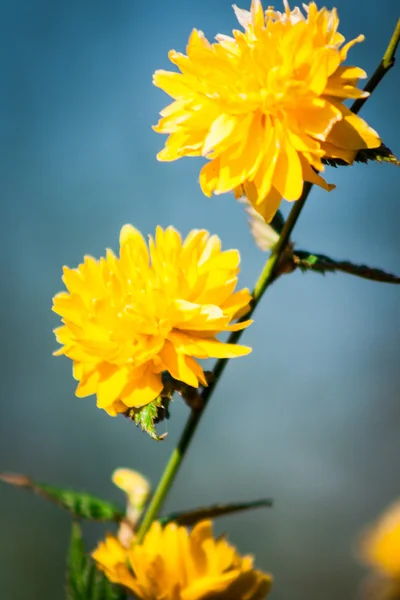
(220, 129)
(175, 363)
(142, 390)
(220, 350)
(186, 344)
(209, 176)
(353, 133)
(270, 204)
(239, 326)
(110, 385)
(173, 84)
(88, 384)
(313, 177)
(288, 174)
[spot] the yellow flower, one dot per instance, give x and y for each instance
(135, 486)
(137, 490)
(129, 318)
(266, 105)
(173, 564)
(380, 545)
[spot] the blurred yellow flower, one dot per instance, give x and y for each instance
(173, 564)
(379, 548)
(266, 105)
(129, 318)
(380, 545)
(135, 486)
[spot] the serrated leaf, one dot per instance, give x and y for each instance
(381, 154)
(84, 580)
(147, 416)
(323, 264)
(210, 512)
(79, 504)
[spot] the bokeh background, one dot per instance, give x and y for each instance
(311, 417)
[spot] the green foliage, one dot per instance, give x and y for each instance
(77, 565)
(307, 261)
(84, 581)
(323, 264)
(211, 512)
(79, 504)
(147, 416)
(381, 154)
(265, 237)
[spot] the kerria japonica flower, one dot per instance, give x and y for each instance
(128, 319)
(172, 564)
(266, 105)
(379, 547)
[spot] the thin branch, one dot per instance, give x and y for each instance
(322, 264)
(384, 66)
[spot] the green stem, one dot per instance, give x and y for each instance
(384, 66)
(264, 281)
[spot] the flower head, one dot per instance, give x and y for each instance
(135, 486)
(128, 319)
(173, 564)
(380, 545)
(137, 490)
(379, 548)
(266, 105)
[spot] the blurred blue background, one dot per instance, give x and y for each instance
(311, 417)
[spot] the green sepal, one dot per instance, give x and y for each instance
(191, 395)
(381, 154)
(147, 416)
(210, 512)
(323, 264)
(84, 581)
(79, 504)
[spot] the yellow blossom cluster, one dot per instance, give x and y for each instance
(172, 564)
(130, 318)
(265, 106)
(379, 548)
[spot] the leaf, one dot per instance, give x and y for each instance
(156, 411)
(210, 512)
(322, 264)
(84, 581)
(78, 504)
(381, 154)
(77, 563)
(147, 416)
